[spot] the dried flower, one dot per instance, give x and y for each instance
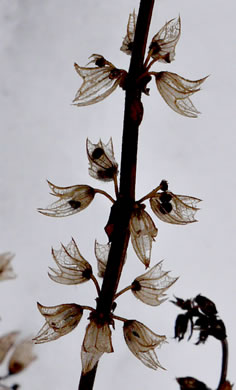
(175, 209)
(98, 82)
(143, 232)
(103, 165)
(73, 268)
(97, 337)
(60, 320)
(176, 90)
(6, 270)
(142, 342)
(71, 200)
(191, 383)
(127, 44)
(21, 357)
(89, 360)
(101, 253)
(6, 342)
(150, 287)
(163, 44)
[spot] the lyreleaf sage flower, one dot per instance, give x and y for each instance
(22, 357)
(162, 47)
(175, 209)
(6, 270)
(98, 82)
(102, 253)
(150, 287)
(176, 90)
(71, 200)
(127, 44)
(142, 341)
(60, 320)
(73, 268)
(6, 342)
(143, 232)
(103, 165)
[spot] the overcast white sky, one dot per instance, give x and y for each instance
(43, 137)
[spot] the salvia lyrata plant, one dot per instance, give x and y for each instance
(128, 217)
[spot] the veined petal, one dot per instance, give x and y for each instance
(101, 253)
(150, 287)
(6, 342)
(89, 360)
(97, 338)
(127, 44)
(175, 209)
(22, 357)
(6, 270)
(176, 90)
(142, 341)
(71, 200)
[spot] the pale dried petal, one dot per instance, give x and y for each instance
(89, 360)
(150, 287)
(97, 338)
(142, 341)
(71, 200)
(6, 342)
(163, 44)
(73, 268)
(176, 90)
(101, 253)
(175, 209)
(143, 232)
(21, 357)
(102, 163)
(127, 44)
(60, 320)
(6, 270)
(98, 82)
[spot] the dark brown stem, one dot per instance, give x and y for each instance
(122, 209)
(224, 364)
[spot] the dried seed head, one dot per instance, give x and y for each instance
(98, 82)
(150, 287)
(143, 232)
(103, 165)
(71, 200)
(142, 342)
(163, 44)
(21, 357)
(97, 338)
(101, 253)
(174, 209)
(73, 268)
(6, 270)
(127, 44)
(176, 90)
(60, 320)
(6, 342)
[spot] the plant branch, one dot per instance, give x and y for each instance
(122, 209)
(224, 364)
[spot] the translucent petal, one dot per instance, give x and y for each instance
(182, 210)
(164, 42)
(89, 360)
(98, 83)
(60, 320)
(102, 163)
(21, 357)
(6, 270)
(102, 253)
(176, 90)
(97, 338)
(71, 200)
(6, 342)
(150, 287)
(128, 40)
(143, 232)
(142, 341)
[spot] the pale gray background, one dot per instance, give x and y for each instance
(43, 137)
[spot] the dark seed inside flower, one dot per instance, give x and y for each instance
(87, 273)
(165, 198)
(100, 62)
(114, 73)
(135, 334)
(136, 286)
(108, 173)
(155, 47)
(165, 208)
(97, 153)
(75, 204)
(15, 368)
